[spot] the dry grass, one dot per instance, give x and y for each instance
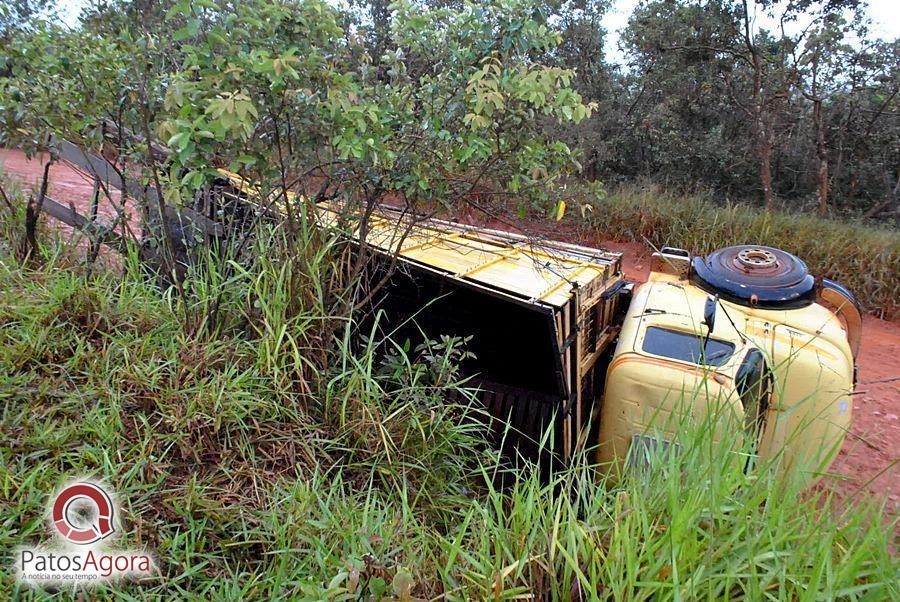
(861, 256)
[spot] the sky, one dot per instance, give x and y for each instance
(885, 16)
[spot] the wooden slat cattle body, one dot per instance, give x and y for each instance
(540, 315)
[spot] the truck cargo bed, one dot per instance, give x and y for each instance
(539, 316)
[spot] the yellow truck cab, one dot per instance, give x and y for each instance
(744, 335)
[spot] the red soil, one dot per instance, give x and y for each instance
(67, 185)
(869, 458)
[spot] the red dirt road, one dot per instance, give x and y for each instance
(67, 185)
(870, 457)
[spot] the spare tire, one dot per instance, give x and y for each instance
(756, 276)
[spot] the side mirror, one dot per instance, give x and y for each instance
(709, 313)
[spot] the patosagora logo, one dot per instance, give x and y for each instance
(69, 499)
(83, 518)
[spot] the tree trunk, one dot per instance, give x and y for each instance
(821, 158)
(765, 171)
(761, 132)
(29, 245)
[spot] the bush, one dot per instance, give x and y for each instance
(862, 257)
(12, 215)
(102, 376)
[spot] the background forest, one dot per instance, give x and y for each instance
(771, 103)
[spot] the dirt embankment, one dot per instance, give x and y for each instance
(870, 457)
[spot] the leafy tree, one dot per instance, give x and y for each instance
(455, 108)
(446, 101)
(680, 112)
(284, 93)
(20, 14)
(17, 16)
(821, 74)
(581, 48)
(774, 62)
(862, 116)
(714, 99)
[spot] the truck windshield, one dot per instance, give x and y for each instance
(686, 347)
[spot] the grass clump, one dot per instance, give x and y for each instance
(200, 436)
(863, 257)
(266, 457)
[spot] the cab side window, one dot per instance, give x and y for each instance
(686, 347)
(754, 385)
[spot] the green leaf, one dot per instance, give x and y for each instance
(188, 31)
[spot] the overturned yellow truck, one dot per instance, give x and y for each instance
(563, 343)
(570, 356)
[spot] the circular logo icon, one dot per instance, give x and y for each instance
(72, 507)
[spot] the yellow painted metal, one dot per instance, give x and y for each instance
(806, 348)
(533, 269)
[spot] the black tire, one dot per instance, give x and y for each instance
(756, 276)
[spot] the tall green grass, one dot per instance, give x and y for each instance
(259, 459)
(861, 256)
